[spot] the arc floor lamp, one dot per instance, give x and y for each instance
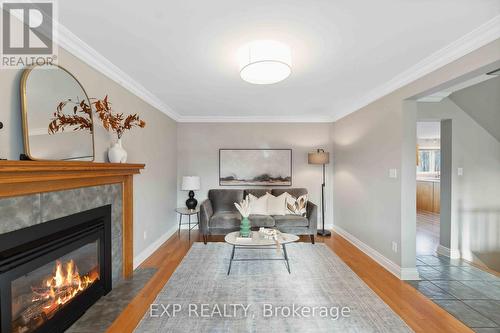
(321, 157)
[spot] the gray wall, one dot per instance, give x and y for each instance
(155, 189)
(199, 144)
(482, 103)
(367, 202)
(475, 196)
(367, 143)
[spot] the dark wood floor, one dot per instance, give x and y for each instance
(420, 313)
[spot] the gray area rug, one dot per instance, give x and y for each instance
(260, 296)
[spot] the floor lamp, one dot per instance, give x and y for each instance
(322, 158)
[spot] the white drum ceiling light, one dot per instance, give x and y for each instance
(265, 62)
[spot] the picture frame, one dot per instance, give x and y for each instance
(255, 167)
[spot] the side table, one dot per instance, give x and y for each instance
(182, 211)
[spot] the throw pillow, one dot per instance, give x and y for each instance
(258, 205)
(297, 206)
(276, 205)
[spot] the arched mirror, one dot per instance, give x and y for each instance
(57, 115)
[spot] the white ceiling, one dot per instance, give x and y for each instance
(183, 52)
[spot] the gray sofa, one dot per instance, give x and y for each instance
(219, 216)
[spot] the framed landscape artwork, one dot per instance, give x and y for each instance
(254, 167)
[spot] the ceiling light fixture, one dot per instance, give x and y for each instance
(265, 62)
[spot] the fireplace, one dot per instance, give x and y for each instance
(51, 273)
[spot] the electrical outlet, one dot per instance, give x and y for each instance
(395, 247)
(393, 173)
(460, 171)
(145, 235)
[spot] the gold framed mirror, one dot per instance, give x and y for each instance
(57, 115)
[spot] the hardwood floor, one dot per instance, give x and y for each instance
(419, 312)
(427, 232)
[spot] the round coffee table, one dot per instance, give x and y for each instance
(258, 242)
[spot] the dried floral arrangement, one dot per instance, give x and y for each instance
(79, 120)
(244, 207)
(117, 122)
(81, 117)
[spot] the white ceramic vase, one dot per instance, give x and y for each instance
(116, 154)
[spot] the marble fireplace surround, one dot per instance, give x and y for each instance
(34, 192)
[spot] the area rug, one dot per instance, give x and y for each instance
(322, 294)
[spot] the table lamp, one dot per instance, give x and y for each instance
(191, 184)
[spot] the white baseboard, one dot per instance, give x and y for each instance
(455, 254)
(442, 250)
(451, 253)
(409, 274)
(401, 273)
(186, 227)
(467, 255)
(138, 259)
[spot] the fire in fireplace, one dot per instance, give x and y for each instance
(39, 295)
(64, 284)
(48, 282)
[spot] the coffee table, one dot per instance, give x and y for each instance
(258, 242)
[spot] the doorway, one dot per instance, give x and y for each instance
(428, 177)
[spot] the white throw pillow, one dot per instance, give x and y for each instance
(258, 205)
(296, 206)
(276, 205)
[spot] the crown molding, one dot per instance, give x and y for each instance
(479, 37)
(256, 119)
(71, 43)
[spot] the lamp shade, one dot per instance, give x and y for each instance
(190, 183)
(318, 157)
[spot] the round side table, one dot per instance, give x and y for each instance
(182, 211)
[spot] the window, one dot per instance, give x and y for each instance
(429, 161)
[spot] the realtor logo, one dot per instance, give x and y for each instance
(27, 34)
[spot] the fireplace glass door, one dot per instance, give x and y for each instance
(38, 295)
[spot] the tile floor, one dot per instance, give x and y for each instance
(468, 293)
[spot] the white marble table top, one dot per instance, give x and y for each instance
(258, 240)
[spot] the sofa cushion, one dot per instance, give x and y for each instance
(225, 220)
(296, 192)
(297, 206)
(276, 205)
(258, 205)
(258, 192)
(290, 221)
(257, 220)
(223, 200)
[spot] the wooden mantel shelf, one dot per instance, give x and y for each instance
(66, 165)
(32, 171)
(26, 177)
(29, 177)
